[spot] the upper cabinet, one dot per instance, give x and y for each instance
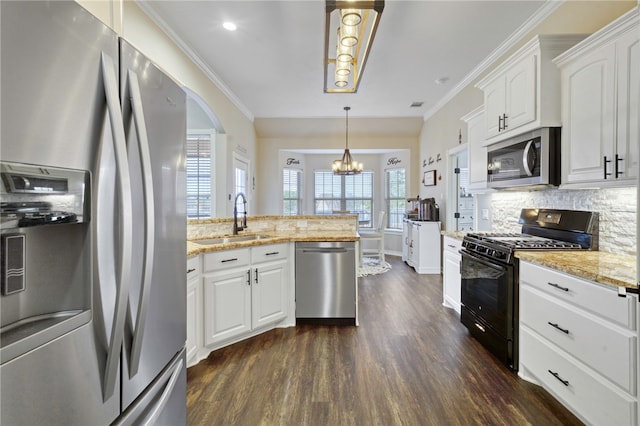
(600, 80)
(523, 93)
(476, 135)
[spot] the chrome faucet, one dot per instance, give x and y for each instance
(237, 228)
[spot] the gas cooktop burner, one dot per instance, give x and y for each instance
(523, 241)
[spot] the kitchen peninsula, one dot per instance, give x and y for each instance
(239, 286)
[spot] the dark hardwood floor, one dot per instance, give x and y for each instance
(410, 362)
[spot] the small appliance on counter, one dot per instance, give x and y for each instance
(428, 210)
(412, 211)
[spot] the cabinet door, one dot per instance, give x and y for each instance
(193, 319)
(227, 305)
(451, 279)
(477, 153)
(588, 116)
(269, 293)
(494, 106)
(628, 118)
(520, 93)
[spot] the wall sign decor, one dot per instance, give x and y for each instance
(291, 161)
(429, 178)
(393, 161)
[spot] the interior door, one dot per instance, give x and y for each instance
(154, 108)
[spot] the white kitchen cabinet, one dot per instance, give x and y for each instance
(579, 340)
(600, 80)
(270, 267)
(406, 238)
(423, 246)
(245, 290)
(523, 93)
(451, 259)
(194, 310)
(477, 152)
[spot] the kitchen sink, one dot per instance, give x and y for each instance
(232, 239)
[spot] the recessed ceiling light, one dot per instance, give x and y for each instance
(230, 26)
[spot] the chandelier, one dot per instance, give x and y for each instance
(356, 23)
(347, 165)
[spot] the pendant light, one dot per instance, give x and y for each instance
(347, 165)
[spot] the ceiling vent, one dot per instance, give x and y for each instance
(417, 104)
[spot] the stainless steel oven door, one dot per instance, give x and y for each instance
(487, 291)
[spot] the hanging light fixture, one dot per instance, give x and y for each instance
(356, 22)
(347, 165)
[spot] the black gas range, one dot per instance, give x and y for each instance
(489, 272)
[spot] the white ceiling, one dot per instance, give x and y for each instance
(272, 66)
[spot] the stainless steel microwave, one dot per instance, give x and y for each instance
(529, 159)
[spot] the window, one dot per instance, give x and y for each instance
(199, 172)
(291, 192)
(344, 194)
(395, 194)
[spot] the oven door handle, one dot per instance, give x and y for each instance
(485, 262)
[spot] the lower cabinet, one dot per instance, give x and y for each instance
(423, 246)
(579, 340)
(194, 310)
(246, 291)
(451, 272)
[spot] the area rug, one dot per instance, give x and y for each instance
(372, 266)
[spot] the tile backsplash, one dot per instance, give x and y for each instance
(616, 208)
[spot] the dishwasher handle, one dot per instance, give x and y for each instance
(325, 250)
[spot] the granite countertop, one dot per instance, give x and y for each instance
(310, 236)
(605, 268)
(458, 235)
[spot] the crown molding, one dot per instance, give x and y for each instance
(182, 45)
(538, 17)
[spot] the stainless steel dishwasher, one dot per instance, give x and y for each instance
(326, 282)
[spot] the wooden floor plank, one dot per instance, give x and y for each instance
(410, 362)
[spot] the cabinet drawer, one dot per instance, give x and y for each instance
(583, 392)
(193, 267)
(590, 296)
(605, 347)
(226, 259)
(269, 252)
(452, 244)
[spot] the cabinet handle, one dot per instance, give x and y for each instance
(559, 287)
(504, 121)
(272, 253)
(556, 326)
(479, 327)
(256, 275)
(617, 172)
(190, 270)
(499, 123)
(229, 260)
(605, 167)
(557, 376)
(249, 276)
(451, 245)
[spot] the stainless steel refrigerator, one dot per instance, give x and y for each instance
(93, 226)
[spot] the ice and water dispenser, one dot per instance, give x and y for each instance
(45, 245)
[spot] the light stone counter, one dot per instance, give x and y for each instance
(602, 267)
(278, 229)
(458, 235)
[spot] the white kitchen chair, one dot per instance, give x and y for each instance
(377, 234)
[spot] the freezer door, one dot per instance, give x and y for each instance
(154, 111)
(164, 403)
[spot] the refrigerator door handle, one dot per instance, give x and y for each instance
(164, 398)
(125, 224)
(149, 226)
